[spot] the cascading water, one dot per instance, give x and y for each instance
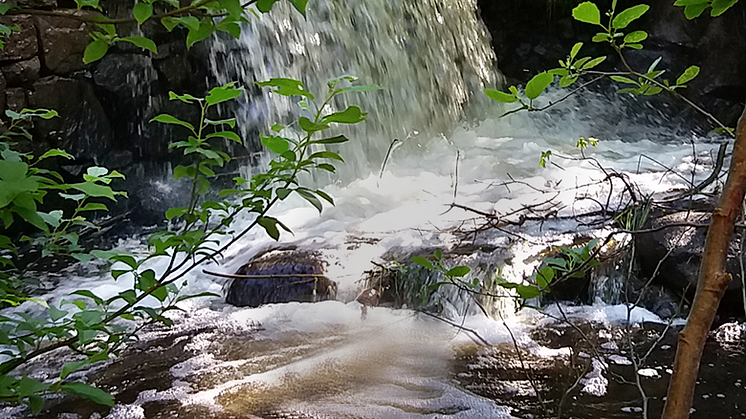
(433, 59)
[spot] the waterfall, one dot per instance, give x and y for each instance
(432, 58)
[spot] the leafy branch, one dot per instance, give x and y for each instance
(647, 83)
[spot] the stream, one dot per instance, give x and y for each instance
(321, 360)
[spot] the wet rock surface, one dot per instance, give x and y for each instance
(281, 276)
(671, 257)
(587, 368)
(104, 106)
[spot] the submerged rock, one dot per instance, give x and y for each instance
(281, 276)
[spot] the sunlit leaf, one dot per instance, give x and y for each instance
(142, 42)
(142, 12)
(537, 84)
(458, 271)
(688, 75)
(223, 94)
(91, 393)
(624, 18)
(587, 12)
(95, 51)
(422, 262)
(500, 96)
(168, 119)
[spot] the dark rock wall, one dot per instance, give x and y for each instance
(531, 36)
(104, 107)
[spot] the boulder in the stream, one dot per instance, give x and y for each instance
(671, 257)
(281, 276)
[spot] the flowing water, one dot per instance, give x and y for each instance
(433, 58)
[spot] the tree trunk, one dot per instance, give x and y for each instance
(713, 281)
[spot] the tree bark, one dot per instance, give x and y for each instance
(712, 283)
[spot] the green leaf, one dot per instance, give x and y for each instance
(88, 3)
(142, 42)
(537, 84)
(28, 386)
(593, 63)
(231, 122)
(265, 6)
(326, 155)
(567, 81)
(310, 197)
(300, 5)
(326, 166)
(587, 12)
(94, 206)
(169, 23)
(275, 144)
(310, 126)
(89, 294)
(283, 193)
(500, 96)
(13, 170)
(185, 171)
(56, 152)
(695, 11)
(653, 90)
(116, 273)
(458, 271)
(95, 51)
(623, 19)
(89, 392)
(223, 94)
(286, 87)
(161, 293)
(168, 119)
(172, 213)
(270, 226)
(5, 7)
(71, 367)
(544, 276)
(527, 292)
(575, 49)
(228, 135)
(422, 262)
(636, 36)
(351, 115)
(634, 46)
(688, 75)
(339, 139)
(233, 28)
(142, 12)
(56, 314)
(93, 190)
(324, 195)
(601, 37)
(206, 28)
(36, 403)
(721, 6)
(622, 79)
(233, 7)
